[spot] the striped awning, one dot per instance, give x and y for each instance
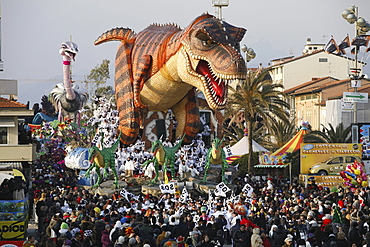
(293, 145)
(270, 166)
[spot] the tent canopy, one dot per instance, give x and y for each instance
(293, 144)
(241, 147)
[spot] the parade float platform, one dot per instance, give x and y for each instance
(194, 186)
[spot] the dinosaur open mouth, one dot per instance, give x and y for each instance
(92, 159)
(217, 87)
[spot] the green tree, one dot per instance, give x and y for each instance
(98, 77)
(338, 134)
(257, 97)
(279, 133)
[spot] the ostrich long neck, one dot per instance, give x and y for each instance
(70, 93)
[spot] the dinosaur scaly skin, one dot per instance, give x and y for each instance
(103, 159)
(216, 156)
(165, 156)
(160, 67)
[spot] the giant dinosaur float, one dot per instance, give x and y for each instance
(161, 67)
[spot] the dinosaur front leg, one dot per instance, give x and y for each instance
(207, 166)
(99, 177)
(115, 175)
(224, 166)
(187, 115)
(141, 75)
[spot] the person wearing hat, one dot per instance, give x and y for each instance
(63, 233)
(256, 240)
(288, 242)
(88, 239)
(105, 237)
(120, 241)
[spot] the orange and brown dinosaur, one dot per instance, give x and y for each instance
(160, 68)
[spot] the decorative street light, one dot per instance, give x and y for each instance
(361, 28)
(249, 54)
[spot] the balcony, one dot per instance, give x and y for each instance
(16, 153)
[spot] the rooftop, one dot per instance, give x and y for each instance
(6, 103)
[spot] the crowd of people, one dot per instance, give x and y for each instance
(279, 213)
(190, 159)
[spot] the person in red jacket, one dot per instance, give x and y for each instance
(248, 223)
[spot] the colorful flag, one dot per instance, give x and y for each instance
(362, 40)
(344, 44)
(331, 46)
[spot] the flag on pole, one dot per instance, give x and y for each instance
(331, 46)
(361, 40)
(344, 44)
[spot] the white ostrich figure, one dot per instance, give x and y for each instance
(64, 96)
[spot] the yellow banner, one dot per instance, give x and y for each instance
(12, 230)
(328, 158)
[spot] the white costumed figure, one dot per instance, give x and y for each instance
(149, 170)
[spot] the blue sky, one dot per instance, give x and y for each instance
(32, 31)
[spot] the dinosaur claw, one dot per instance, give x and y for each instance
(140, 105)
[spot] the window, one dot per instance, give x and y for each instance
(302, 98)
(314, 96)
(336, 160)
(3, 135)
(308, 96)
(323, 60)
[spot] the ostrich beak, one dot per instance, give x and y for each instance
(69, 49)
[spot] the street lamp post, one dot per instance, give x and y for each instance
(249, 55)
(218, 4)
(361, 28)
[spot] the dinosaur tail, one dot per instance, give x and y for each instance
(129, 115)
(118, 34)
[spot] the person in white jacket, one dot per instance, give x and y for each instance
(256, 240)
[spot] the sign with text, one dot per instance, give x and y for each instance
(248, 190)
(12, 230)
(355, 97)
(331, 157)
(221, 189)
(168, 188)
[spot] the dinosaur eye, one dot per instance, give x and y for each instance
(205, 39)
(208, 42)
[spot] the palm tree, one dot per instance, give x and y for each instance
(279, 133)
(257, 97)
(329, 135)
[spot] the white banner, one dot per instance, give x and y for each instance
(127, 195)
(184, 195)
(168, 188)
(248, 190)
(221, 189)
(228, 151)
